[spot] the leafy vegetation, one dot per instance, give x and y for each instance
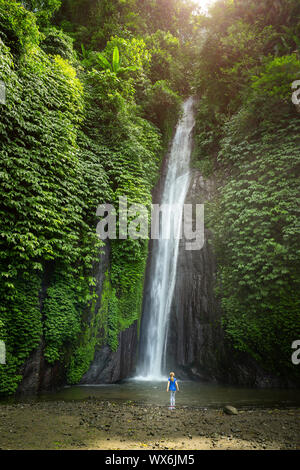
(80, 127)
(248, 137)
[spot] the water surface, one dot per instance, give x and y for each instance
(195, 394)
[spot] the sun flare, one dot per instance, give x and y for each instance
(205, 4)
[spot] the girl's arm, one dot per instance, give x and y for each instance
(177, 388)
(168, 386)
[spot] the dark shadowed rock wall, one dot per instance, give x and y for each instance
(37, 373)
(197, 346)
(194, 334)
(108, 366)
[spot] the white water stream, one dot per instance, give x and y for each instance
(165, 251)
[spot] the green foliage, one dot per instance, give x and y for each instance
(208, 132)
(43, 9)
(94, 23)
(247, 136)
(162, 105)
(224, 73)
(113, 325)
(277, 77)
(114, 67)
(38, 150)
(70, 140)
(255, 225)
(167, 28)
(134, 53)
(46, 203)
(61, 318)
(18, 28)
(21, 325)
(164, 48)
(56, 42)
(116, 60)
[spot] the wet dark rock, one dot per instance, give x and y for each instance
(197, 347)
(109, 366)
(37, 373)
(195, 334)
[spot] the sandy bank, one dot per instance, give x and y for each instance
(93, 424)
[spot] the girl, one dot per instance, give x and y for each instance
(172, 387)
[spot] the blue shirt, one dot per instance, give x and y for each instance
(172, 386)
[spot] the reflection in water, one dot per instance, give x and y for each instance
(196, 394)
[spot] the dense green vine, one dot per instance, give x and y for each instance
(247, 138)
(73, 135)
(256, 242)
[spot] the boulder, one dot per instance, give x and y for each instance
(230, 410)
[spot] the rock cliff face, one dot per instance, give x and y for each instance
(194, 333)
(39, 375)
(197, 346)
(108, 366)
(36, 373)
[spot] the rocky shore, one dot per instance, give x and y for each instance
(94, 424)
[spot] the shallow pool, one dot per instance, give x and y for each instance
(196, 394)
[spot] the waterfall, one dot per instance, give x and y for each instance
(163, 263)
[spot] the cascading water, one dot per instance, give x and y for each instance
(163, 262)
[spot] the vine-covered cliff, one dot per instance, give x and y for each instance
(80, 126)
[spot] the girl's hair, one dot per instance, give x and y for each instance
(172, 373)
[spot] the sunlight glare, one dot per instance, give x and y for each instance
(204, 4)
